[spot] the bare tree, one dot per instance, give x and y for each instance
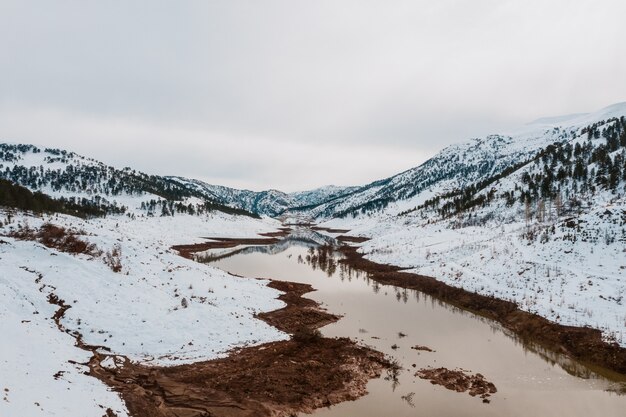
(527, 211)
(558, 205)
(541, 211)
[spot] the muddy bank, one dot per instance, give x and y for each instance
(352, 239)
(274, 379)
(459, 380)
(186, 251)
(581, 343)
(300, 315)
(329, 229)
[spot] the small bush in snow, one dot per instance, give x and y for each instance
(113, 258)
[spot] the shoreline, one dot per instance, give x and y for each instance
(583, 344)
(277, 379)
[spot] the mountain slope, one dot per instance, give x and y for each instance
(270, 202)
(458, 166)
(547, 231)
(85, 182)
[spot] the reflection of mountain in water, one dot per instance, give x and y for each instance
(321, 255)
(327, 259)
(299, 236)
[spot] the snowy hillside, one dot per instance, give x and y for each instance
(90, 183)
(86, 182)
(159, 308)
(546, 229)
(458, 166)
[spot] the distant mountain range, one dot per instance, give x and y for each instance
(540, 159)
(270, 202)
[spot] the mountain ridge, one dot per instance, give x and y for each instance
(454, 167)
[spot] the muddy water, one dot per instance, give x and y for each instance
(530, 381)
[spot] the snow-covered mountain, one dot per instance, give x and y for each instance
(86, 182)
(537, 217)
(462, 167)
(458, 166)
(270, 202)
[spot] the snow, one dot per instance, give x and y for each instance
(268, 202)
(573, 275)
(578, 283)
(34, 350)
(140, 313)
(137, 313)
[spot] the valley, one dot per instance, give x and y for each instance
(421, 332)
(503, 256)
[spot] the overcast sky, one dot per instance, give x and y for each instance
(297, 94)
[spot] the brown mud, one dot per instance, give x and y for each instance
(186, 251)
(329, 229)
(275, 379)
(459, 380)
(352, 239)
(300, 313)
(583, 344)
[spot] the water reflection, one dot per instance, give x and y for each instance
(376, 314)
(327, 259)
(298, 237)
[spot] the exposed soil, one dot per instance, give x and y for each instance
(274, 379)
(459, 380)
(299, 312)
(423, 348)
(187, 251)
(329, 229)
(581, 343)
(352, 239)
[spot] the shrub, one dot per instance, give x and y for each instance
(57, 237)
(113, 258)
